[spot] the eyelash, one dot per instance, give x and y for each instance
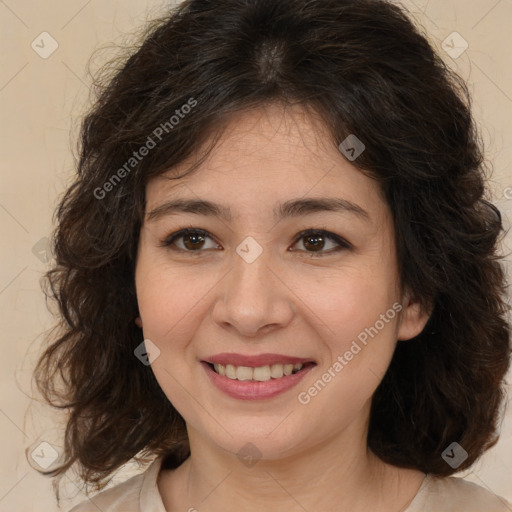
(342, 244)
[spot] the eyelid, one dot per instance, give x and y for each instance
(340, 241)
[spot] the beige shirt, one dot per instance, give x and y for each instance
(140, 494)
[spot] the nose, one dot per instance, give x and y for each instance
(252, 299)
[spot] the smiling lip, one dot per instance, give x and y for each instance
(255, 361)
(251, 389)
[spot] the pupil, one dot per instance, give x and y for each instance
(195, 238)
(317, 241)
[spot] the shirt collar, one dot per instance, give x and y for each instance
(150, 498)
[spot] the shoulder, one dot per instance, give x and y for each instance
(452, 494)
(127, 496)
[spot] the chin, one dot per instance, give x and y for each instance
(263, 439)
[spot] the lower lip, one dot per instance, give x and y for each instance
(254, 390)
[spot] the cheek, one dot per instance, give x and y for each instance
(348, 302)
(357, 349)
(170, 304)
(170, 301)
(358, 326)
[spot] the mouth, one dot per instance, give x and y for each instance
(259, 373)
(256, 382)
(256, 377)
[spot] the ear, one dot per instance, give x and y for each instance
(138, 322)
(412, 319)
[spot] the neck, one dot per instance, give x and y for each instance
(340, 474)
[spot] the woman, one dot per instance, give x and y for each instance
(277, 272)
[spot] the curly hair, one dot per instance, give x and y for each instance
(366, 69)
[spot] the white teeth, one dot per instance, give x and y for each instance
(243, 373)
(230, 371)
(260, 373)
(276, 371)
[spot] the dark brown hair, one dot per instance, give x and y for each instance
(366, 70)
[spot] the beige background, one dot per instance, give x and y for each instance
(41, 101)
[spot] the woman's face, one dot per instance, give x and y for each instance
(252, 293)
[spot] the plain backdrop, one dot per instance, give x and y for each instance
(44, 88)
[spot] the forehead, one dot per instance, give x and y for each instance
(268, 156)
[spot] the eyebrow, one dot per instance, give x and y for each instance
(291, 208)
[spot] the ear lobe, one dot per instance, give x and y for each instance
(412, 319)
(138, 322)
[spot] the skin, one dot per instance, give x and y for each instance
(292, 302)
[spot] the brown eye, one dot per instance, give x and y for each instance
(194, 241)
(191, 240)
(314, 241)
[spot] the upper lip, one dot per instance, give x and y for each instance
(255, 361)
